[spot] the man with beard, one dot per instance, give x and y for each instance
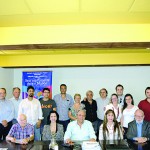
(31, 107)
(139, 130)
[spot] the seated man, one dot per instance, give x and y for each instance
(139, 130)
(21, 131)
(80, 129)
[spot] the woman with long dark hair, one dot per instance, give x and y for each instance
(53, 128)
(110, 129)
(128, 112)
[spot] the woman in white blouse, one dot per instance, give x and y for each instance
(115, 106)
(110, 129)
(128, 112)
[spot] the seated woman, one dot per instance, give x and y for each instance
(53, 127)
(76, 107)
(110, 129)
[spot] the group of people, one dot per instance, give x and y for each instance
(72, 119)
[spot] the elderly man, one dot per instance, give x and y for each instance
(139, 130)
(21, 131)
(80, 129)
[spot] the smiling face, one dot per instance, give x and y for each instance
(16, 93)
(30, 93)
(103, 93)
(119, 91)
(89, 95)
(139, 115)
(53, 117)
(110, 117)
(81, 116)
(46, 94)
(63, 89)
(22, 120)
(77, 99)
(2, 94)
(114, 99)
(128, 100)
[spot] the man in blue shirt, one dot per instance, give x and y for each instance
(63, 102)
(6, 114)
(139, 130)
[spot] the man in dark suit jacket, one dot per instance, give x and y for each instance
(139, 130)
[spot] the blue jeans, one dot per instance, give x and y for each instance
(37, 135)
(95, 126)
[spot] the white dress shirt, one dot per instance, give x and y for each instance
(77, 133)
(32, 109)
(16, 105)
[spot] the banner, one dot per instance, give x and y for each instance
(39, 80)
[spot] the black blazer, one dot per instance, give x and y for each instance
(132, 130)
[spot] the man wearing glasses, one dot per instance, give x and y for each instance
(139, 130)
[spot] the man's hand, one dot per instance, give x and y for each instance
(13, 140)
(24, 141)
(38, 124)
(68, 141)
(92, 140)
(4, 123)
(141, 139)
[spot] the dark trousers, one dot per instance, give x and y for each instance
(5, 130)
(98, 124)
(65, 124)
(125, 133)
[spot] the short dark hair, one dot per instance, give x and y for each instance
(148, 88)
(119, 85)
(48, 118)
(30, 87)
(46, 89)
(63, 85)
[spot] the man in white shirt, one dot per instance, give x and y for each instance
(31, 107)
(119, 92)
(16, 101)
(102, 102)
(79, 129)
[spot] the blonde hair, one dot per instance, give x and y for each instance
(77, 95)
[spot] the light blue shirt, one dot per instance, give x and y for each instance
(75, 133)
(6, 110)
(63, 106)
(16, 105)
(139, 129)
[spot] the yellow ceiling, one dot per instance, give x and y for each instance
(48, 12)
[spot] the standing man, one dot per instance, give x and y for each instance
(63, 101)
(145, 104)
(47, 106)
(91, 110)
(6, 114)
(102, 102)
(16, 101)
(31, 107)
(119, 92)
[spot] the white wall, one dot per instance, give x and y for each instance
(7, 80)
(80, 79)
